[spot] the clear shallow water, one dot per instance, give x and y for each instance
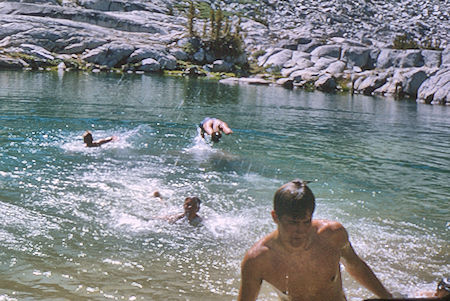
(81, 223)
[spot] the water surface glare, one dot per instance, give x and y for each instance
(82, 224)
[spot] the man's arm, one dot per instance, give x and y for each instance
(225, 128)
(359, 270)
(250, 279)
(103, 141)
(174, 218)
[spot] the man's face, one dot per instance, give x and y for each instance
(294, 229)
(190, 206)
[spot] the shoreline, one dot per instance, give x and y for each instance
(100, 36)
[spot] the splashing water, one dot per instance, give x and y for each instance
(82, 223)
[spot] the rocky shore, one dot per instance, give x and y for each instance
(326, 45)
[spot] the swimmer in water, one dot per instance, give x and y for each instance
(214, 127)
(301, 258)
(89, 140)
(191, 207)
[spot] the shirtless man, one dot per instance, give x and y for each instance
(89, 140)
(301, 259)
(191, 207)
(214, 127)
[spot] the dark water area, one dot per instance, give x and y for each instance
(81, 223)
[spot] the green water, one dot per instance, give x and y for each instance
(81, 224)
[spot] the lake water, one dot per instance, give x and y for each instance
(81, 223)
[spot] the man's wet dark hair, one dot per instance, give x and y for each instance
(195, 199)
(294, 199)
(87, 137)
(215, 137)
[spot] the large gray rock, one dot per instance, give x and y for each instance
(37, 51)
(303, 63)
(110, 54)
(326, 83)
(144, 53)
(11, 63)
(336, 67)
(370, 83)
(117, 5)
(446, 56)
(307, 75)
(168, 62)
(299, 55)
(410, 58)
(324, 62)
(221, 66)
(399, 58)
(436, 88)
(356, 56)
(393, 86)
(311, 46)
(279, 58)
(179, 54)
(269, 52)
(413, 79)
(442, 96)
(299, 64)
(387, 58)
(332, 51)
(135, 21)
(199, 56)
(149, 65)
(432, 58)
(287, 83)
(80, 47)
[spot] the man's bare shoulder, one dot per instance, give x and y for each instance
(332, 230)
(261, 249)
(327, 225)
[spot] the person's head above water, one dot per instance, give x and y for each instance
(87, 138)
(192, 205)
(294, 199)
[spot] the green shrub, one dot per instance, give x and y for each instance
(258, 53)
(229, 45)
(189, 48)
(431, 44)
(222, 40)
(404, 42)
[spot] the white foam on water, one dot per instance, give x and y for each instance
(225, 225)
(201, 146)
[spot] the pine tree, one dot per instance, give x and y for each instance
(191, 17)
(219, 20)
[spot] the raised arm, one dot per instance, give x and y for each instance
(104, 140)
(225, 128)
(250, 279)
(359, 270)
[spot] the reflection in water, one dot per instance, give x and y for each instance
(81, 223)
